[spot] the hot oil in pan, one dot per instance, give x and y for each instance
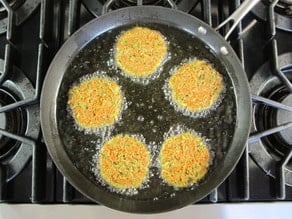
(149, 112)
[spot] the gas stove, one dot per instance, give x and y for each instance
(32, 31)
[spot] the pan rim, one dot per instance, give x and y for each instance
(56, 71)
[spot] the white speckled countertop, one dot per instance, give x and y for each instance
(218, 211)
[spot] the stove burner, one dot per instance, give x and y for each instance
(22, 121)
(278, 144)
(269, 150)
(288, 2)
(22, 10)
(283, 13)
(284, 7)
(95, 6)
(284, 117)
(125, 3)
(145, 2)
(10, 121)
(14, 4)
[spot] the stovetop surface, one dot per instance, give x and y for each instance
(32, 177)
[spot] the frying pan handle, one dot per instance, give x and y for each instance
(108, 4)
(237, 15)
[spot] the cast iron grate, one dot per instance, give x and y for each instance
(59, 19)
(27, 140)
(279, 169)
(202, 9)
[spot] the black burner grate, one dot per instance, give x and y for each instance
(12, 80)
(278, 87)
(203, 10)
(38, 181)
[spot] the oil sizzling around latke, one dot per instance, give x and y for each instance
(147, 107)
(194, 88)
(117, 166)
(184, 158)
(85, 97)
(140, 53)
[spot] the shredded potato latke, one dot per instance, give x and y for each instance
(196, 86)
(96, 102)
(184, 159)
(140, 51)
(124, 162)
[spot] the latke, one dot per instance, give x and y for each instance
(184, 159)
(95, 102)
(196, 86)
(140, 51)
(124, 162)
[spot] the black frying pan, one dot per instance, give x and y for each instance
(226, 127)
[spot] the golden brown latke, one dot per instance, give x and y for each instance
(139, 51)
(95, 102)
(195, 86)
(184, 159)
(124, 162)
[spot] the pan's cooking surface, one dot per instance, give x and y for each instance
(148, 111)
